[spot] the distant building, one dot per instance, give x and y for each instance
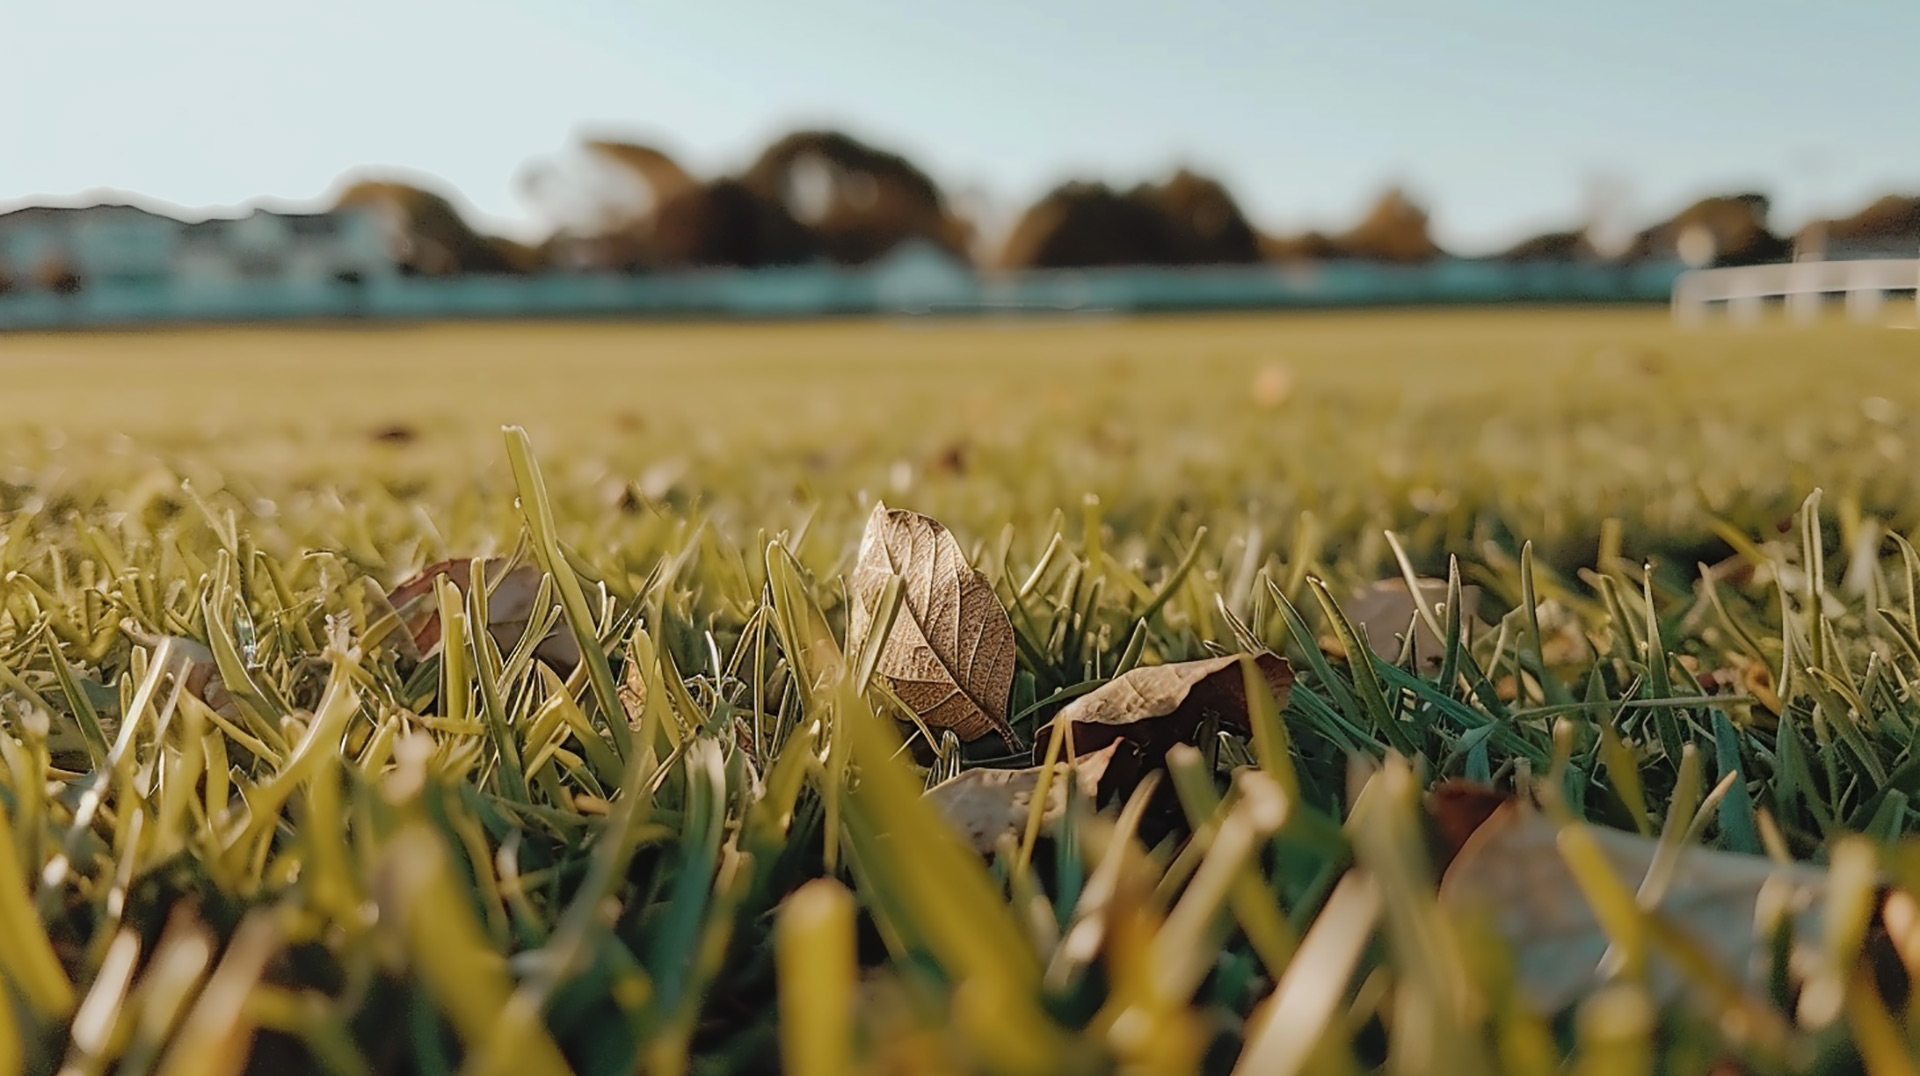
(123, 247)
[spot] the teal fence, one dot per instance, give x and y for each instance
(903, 286)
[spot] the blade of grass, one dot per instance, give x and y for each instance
(814, 952)
(537, 510)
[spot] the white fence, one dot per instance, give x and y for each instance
(1802, 286)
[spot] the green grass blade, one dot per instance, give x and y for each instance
(537, 510)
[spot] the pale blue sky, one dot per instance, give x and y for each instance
(1499, 113)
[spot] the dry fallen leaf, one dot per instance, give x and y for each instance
(984, 803)
(1456, 810)
(509, 608)
(1156, 706)
(1385, 609)
(1511, 868)
(950, 655)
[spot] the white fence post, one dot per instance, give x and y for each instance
(1863, 298)
(1803, 292)
(1687, 305)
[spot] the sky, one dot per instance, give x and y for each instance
(1505, 117)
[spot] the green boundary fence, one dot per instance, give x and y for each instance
(904, 286)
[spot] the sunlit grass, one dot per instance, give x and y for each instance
(696, 850)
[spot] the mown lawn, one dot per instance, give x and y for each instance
(660, 818)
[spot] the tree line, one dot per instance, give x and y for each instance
(825, 196)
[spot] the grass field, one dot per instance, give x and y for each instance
(1545, 422)
(693, 852)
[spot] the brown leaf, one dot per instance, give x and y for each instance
(950, 655)
(509, 608)
(984, 803)
(1456, 810)
(1511, 868)
(397, 433)
(952, 459)
(1157, 706)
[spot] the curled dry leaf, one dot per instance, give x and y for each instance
(984, 803)
(1157, 706)
(950, 655)
(1386, 609)
(509, 609)
(1508, 865)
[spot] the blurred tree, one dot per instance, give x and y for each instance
(728, 223)
(431, 238)
(1889, 226)
(1552, 247)
(1188, 220)
(1721, 230)
(1087, 224)
(1311, 246)
(1394, 230)
(599, 187)
(857, 201)
(1206, 223)
(635, 209)
(661, 175)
